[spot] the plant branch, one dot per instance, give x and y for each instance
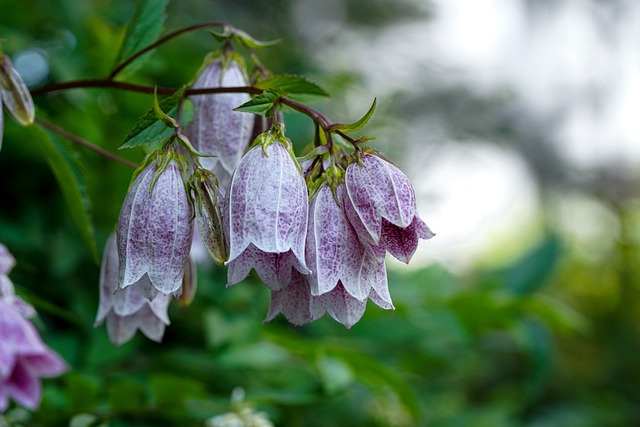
(76, 139)
(163, 40)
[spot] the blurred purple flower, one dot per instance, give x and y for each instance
(216, 129)
(127, 310)
(382, 208)
(24, 358)
(155, 229)
(6, 260)
(266, 217)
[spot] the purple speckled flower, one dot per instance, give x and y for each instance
(24, 358)
(299, 306)
(382, 208)
(216, 129)
(155, 229)
(333, 251)
(266, 216)
(127, 310)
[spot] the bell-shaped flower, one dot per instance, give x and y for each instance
(382, 208)
(155, 228)
(127, 310)
(216, 129)
(266, 214)
(333, 251)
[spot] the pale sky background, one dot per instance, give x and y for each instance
(573, 63)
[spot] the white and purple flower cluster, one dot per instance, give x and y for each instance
(323, 254)
(24, 358)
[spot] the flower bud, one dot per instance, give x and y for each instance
(382, 208)
(266, 214)
(216, 129)
(155, 228)
(127, 310)
(209, 217)
(14, 94)
(189, 285)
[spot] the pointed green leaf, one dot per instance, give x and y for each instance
(292, 84)
(144, 28)
(161, 115)
(250, 42)
(261, 104)
(149, 129)
(67, 169)
(352, 127)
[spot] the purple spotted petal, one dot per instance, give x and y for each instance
(266, 206)
(155, 229)
(378, 190)
(24, 386)
(333, 250)
(216, 129)
(340, 305)
(293, 301)
(18, 337)
(274, 269)
(6, 259)
(403, 242)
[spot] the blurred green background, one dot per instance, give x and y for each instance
(522, 311)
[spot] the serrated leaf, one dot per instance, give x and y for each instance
(292, 84)
(355, 126)
(149, 129)
(144, 28)
(68, 171)
(261, 104)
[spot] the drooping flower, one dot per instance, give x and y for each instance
(382, 208)
(155, 228)
(333, 251)
(24, 358)
(127, 310)
(266, 214)
(216, 129)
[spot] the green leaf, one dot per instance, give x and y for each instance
(352, 127)
(532, 270)
(127, 395)
(83, 420)
(292, 84)
(144, 28)
(149, 128)
(67, 169)
(261, 104)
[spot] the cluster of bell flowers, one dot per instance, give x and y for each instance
(323, 254)
(24, 358)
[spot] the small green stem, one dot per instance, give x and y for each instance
(163, 40)
(76, 139)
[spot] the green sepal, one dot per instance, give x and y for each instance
(161, 115)
(291, 84)
(262, 104)
(352, 127)
(149, 128)
(244, 38)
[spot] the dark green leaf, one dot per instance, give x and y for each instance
(68, 171)
(149, 129)
(352, 127)
(292, 84)
(261, 104)
(126, 396)
(171, 391)
(532, 270)
(144, 28)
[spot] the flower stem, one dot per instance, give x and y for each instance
(76, 139)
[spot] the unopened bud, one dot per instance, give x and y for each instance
(189, 285)
(14, 93)
(209, 218)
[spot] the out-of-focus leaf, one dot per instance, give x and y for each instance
(82, 392)
(68, 171)
(171, 391)
(83, 420)
(335, 374)
(150, 129)
(292, 84)
(144, 28)
(126, 396)
(532, 270)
